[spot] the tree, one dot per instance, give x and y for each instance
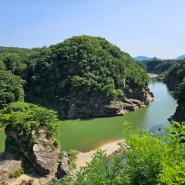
(180, 92)
(11, 88)
(26, 117)
(149, 158)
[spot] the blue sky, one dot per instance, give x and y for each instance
(138, 27)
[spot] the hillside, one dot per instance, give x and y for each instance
(83, 76)
(142, 58)
(180, 57)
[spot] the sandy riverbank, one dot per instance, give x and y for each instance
(86, 157)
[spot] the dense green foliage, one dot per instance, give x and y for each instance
(26, 117)
(180, 92)
(147, 159)
(84, 66)
(172, 72)
(11, 88)
(178, 69)
(17, 59)
(80, 67)
(175, 79)
(175, 74)
(156, 66)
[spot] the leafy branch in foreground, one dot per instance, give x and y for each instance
(150, 159)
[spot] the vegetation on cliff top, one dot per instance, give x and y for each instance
(25, 118)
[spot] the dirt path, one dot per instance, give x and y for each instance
(86, 157)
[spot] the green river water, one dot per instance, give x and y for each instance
(87, 134)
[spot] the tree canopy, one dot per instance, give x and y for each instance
(81, 67)
(85, 65)
(180, 92)
(26, 117)
(11, 88)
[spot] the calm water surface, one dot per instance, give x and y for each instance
(88, 134)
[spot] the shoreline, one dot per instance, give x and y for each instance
(86, 157)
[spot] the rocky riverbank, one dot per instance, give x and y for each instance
(103, 107)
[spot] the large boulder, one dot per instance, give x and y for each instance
(44, 156)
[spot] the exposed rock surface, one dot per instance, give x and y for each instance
(101, 106)
(41, 153)
(8, 167)
(44, 156)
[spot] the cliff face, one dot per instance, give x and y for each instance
(103, 107)
(172, 82)
(179, 114)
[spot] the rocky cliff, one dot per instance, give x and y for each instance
(37, 156)
(102, 106)
(171, 82)
(179, 113)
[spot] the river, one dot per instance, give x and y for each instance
(87, 134)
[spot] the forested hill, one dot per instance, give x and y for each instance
(78, 77)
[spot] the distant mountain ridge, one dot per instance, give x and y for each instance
(180, 57)
(143, 58)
